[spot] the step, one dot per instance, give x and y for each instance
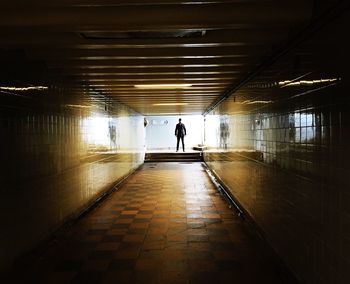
(174, 157)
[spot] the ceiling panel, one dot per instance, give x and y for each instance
(102, 49)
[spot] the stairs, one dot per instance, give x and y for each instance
(156, 157)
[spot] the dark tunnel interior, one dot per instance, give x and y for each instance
(262, 87)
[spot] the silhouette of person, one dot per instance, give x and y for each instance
(180, 132)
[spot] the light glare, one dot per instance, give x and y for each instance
(78, 106)
(23, 88)
(163, 86)
(170, 104)
(307, 82)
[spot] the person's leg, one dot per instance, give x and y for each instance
(183, 143)
(178, 141)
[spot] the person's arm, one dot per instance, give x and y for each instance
(185, 129)
(176, 130)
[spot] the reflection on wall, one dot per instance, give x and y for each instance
(101, 131)
(287, 161)
(111, 133)
(58, 158)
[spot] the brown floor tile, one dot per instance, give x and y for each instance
(124, 221)
(166, 224)
(202, 265)
(117, 231)
(117, 276)
(146, 277)
(154, 245)
(197, 238)
(175, 277)
(224, 238)
(175, 254)
(122, 264)
(98, 265)
(200, 254)
(110, 246)
(200, 245)
(93, 238)
(149, 264)
(126, 254)
(152, 254)
(62, 277)
(158, 230)
(143, 216)
(156, 219)
(225, 255)
(177, 237)
(88, 277)
(144, 225)
(206, 277)
(175, 265)
(129, 212)
(134, 238)
(179, 227)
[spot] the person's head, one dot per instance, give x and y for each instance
(179, 119)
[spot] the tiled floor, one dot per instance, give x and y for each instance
(166, 224)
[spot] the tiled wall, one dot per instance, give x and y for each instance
(282, 148)
(57, 157)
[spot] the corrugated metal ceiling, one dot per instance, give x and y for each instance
(108, 47)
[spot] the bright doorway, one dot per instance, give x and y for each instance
(160, 132)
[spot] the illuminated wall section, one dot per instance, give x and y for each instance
(59, 152)
(281, 146)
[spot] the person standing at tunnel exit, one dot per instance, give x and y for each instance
(180, 132)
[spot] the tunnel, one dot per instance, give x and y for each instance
(95, 189)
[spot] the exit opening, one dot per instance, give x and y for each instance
(160, 132)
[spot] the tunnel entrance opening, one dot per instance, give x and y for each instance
(160, 132)
(161, 141)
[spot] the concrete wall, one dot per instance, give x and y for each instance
(58, 155)
(282, 148)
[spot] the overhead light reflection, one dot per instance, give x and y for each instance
(38, 88)
(248, 102)
(170, 104)
(163, 86)
(78, 106)
(306, 82)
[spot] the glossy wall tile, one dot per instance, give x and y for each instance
(57, 159)
(280, 144)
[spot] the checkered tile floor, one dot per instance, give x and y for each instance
(166, 224)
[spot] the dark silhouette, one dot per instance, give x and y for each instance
(180, 132)
(224, 134)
